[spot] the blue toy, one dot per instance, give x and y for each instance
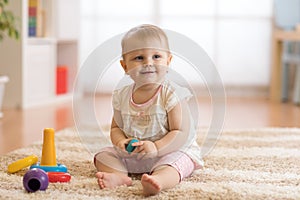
(129, 147)
(57, 168)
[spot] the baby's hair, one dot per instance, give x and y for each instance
(143, 36)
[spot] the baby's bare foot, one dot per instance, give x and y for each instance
(150, 185)
(111, 180)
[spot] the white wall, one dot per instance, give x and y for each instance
(236, 34)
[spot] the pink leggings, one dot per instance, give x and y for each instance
(179, 160)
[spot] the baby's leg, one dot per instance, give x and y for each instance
(111, 171)
(162, 178)
(167, 173)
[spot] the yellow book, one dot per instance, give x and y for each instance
(33, 3)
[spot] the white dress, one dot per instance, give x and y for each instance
(149, 122)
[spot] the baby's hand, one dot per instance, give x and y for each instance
(122, 143)
(146, 149)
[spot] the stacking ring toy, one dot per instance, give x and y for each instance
(58, 177)
(129, 147)
(22, 163)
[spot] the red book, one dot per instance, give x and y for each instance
(32, 11)
(61, 79)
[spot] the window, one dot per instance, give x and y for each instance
(236, 34)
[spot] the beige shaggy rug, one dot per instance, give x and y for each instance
(245, 164)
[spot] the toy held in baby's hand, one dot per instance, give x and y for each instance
(129, 147)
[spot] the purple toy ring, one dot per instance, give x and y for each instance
(35, 179)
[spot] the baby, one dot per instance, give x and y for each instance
(153, 110)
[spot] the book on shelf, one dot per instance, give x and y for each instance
(36, 18)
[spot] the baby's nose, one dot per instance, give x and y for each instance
(148, 62)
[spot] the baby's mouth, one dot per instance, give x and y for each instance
(147, 72)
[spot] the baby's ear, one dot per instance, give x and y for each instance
(123, 65)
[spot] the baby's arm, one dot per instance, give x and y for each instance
(179, 124)
(117, 136)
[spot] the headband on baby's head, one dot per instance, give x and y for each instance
(145, 37)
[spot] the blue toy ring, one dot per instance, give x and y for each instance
(58, 168)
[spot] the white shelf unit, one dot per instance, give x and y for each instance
(31, 62)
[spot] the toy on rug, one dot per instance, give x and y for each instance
(48, 160)
(55, 171)
(22, 163)
(35, 179)
(58, 177)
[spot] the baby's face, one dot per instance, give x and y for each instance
(146, 65)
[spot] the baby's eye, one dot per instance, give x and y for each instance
(138, 58)
(156, 56)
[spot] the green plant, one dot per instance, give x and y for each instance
(7, 22)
